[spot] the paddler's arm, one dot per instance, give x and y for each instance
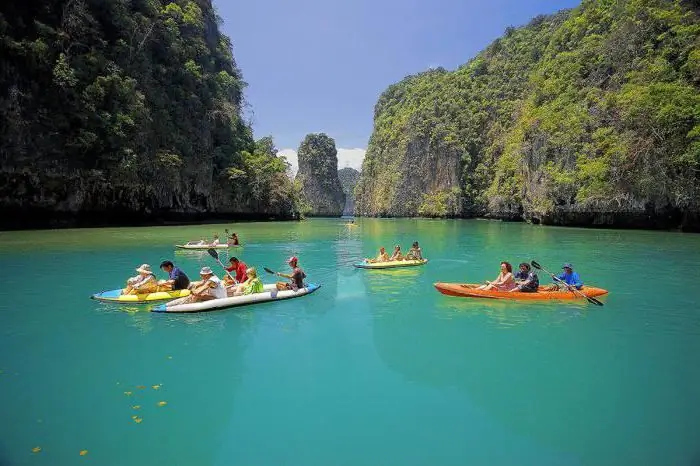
(280, 274)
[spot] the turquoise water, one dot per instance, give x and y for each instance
(376, 368)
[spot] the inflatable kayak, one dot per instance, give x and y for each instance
(468, 290)
(204, 246)
(116, 296)
(270, 294)
(390, 264)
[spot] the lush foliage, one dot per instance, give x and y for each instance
(592, 109)
(318, 175)
(138, 100)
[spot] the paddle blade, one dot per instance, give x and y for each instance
(536, 265)
(212, 252)
(268, 270)
(592, 300)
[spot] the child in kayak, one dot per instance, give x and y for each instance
(504, 281)
(145, 282)
(296, 278)
(382, 257)
(396, 256)
(414, 253)
(525, 279)
(251, 285)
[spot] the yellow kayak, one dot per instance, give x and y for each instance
(390, 264)
(116, 296)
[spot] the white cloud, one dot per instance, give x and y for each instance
(346, 158)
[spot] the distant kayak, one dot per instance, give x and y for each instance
(469, 290)
(390, 264)
(115, 296)
(205, 246)
(270, 294)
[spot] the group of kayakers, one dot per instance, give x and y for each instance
(526, 280)
(414, 253)
(231, 240)
(244, 281)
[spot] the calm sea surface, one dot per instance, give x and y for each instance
(375, 368)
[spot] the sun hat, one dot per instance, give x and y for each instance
(144, 268)
(206, 271)
(292, 259)
(567, 266)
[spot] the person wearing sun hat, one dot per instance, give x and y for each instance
(144, 282)
(570, 277)
(209, 287)
(296, 277)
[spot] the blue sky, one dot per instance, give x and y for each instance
(319, 66)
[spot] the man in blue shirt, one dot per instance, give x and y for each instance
(570, 277)
(177, 280)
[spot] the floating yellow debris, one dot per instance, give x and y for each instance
(36, 449)
(156, 387)
(138, 420)
(169, 357)
(140, 387)
(162, 403)
(83, 452)
(136, 407)
(127, 393)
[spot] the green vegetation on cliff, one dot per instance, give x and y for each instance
(348, 180)
(591, 115)
(318, 176)
(112, 108)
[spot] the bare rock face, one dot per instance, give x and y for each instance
(348, 179)
(318, 176)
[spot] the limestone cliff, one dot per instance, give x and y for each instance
(348, 179)
(587, 117)
(318, 176)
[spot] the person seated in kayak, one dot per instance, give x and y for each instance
(569, 277)
(526, 279)
(396, 255)
(238, 269)
(215, 241)
(209, 287)
(251, 285)
(382, 257)
(177, 280)
(296, 277)
(233, 240)
(504, 281)
(145, 282)
(414, 253)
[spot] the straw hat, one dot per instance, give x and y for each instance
(145, 268)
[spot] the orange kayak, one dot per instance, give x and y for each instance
(468, 290)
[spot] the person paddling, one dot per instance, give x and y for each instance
(177, 279)
(569, 277)
(238, 268)
(296, 277)
(233, 240)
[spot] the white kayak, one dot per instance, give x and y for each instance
(204, 246)
(270, 294)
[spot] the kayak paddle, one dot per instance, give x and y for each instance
(573, 289)
(212, 252)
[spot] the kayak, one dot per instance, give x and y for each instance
(468, 290)
(270, 294)
(390, 264)
(204, 246)
(116, 296)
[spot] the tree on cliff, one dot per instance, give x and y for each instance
(589, 115)
(117, 107)
(318, 175)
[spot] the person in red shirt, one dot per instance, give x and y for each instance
(238, 268)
